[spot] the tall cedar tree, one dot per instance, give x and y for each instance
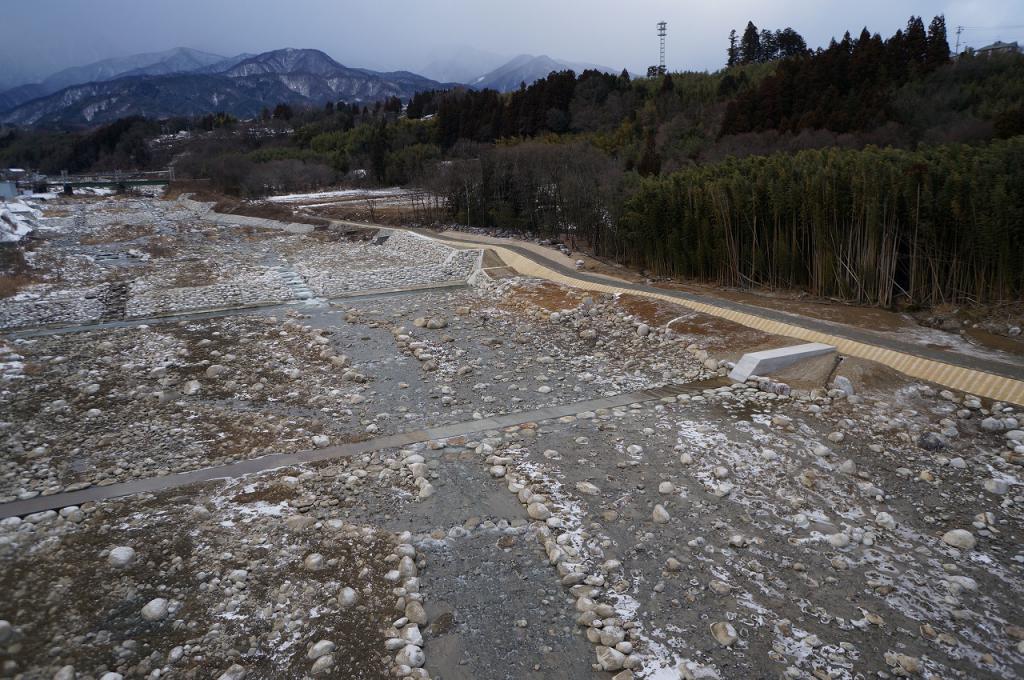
(750, 45)
(650, 161)
(938, 44)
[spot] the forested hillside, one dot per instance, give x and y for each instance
(875, 169)
(843, 88)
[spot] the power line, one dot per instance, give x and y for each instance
(993, 28)
(975, 29)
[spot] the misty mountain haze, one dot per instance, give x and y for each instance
(177, 60)
(239, 86)
(527, 68)
(462, 42)
(185, 82)
(390, 35)
(460, 64)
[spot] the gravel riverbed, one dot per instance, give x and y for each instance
(828, 528)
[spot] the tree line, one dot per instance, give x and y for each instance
(842, 88)
(122, 144)
(759, 47)
(939, 224)
(877, 226)
(546, 106)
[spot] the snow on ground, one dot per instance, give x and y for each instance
(940, 339)
(728, 532)
(342, 194)
(17, 220)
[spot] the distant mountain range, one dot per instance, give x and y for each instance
(526, 68)
(242, 86)
(178, 60)
(187, 82)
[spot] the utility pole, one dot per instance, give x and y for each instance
(959, 30)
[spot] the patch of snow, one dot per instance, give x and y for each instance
(341, 194)
(17, 220)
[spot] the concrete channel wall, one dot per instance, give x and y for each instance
(231, 220)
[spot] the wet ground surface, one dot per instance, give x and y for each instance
(739, 531)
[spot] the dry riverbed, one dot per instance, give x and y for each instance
(864, 528)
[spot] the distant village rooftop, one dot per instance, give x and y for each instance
(999, 47)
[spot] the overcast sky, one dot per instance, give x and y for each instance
(38, 37)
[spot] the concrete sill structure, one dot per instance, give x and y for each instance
(763, 363)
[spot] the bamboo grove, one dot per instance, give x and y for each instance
(940, 224)
(877, 226)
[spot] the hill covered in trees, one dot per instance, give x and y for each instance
(874, 169)
(842, 88)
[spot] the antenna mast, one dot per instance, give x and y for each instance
(662, 30)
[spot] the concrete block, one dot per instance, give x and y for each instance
(764, 363)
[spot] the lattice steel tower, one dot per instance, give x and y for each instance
(662, 30)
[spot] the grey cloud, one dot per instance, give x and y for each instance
(40, 37)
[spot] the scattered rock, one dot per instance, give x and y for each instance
(844, 385)
(319, 649)
(884, 519)
(314, 562)
(538, 511)
(234, 672)
(120, 557)
(610, 659)
(724, 633)
(960, 538)
(411, 656)
(155, 609)
(930, 441)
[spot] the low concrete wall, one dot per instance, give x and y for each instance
(766, 362)
(227, 219)
(231, 220)
(194, 205)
